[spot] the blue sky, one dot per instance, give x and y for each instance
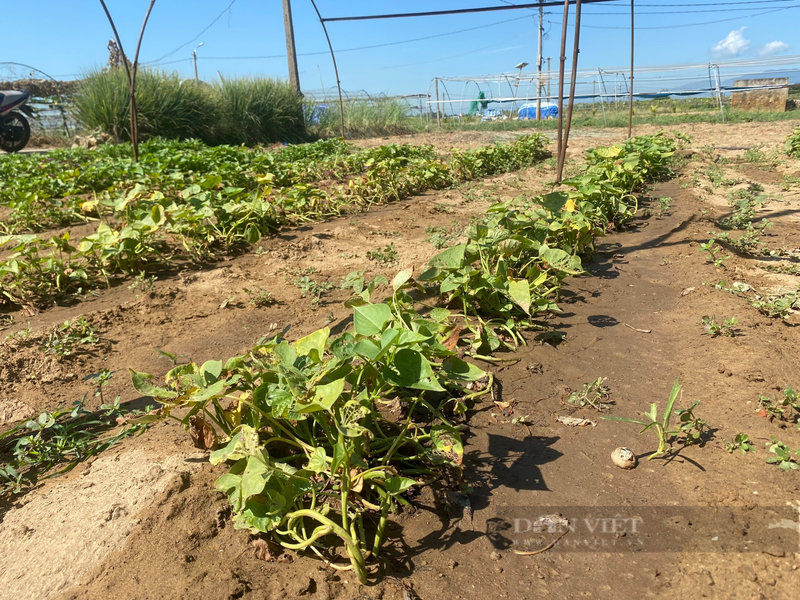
(66, 37)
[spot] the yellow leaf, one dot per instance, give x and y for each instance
(89, 205)
(234, 415)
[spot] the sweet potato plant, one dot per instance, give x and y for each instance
(325, 435)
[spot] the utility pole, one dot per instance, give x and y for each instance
(194, 60)
(291, 52)
(539, 68)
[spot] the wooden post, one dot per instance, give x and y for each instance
(291, 51)
(630, 100)
(562, 60)
(572, 82)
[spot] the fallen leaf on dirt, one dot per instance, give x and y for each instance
(576, 422)
(451, 341)
(506, 407)
(262, 550)
(202, 434)
(687, 291)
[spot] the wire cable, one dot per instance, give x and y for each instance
(195, 38)
(766, 12)
(358, 48)
(459, 11)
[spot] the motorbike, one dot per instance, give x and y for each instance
(15, 131)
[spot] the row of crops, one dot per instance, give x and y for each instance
(325, 436)
(185, 201)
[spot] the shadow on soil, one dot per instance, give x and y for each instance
(509, 463)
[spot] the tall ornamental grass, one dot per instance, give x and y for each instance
(242, 111)
(256, 110)
(362, 117)
(166, 106)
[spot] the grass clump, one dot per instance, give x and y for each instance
(246, 111)
(362, 117)
(166, 106)
(257, 110)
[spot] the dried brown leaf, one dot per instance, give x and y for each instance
(202, 433)
(451, 341)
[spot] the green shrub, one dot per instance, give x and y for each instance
(242, 111)
(257, 110)
(166, 106)
(793, 144)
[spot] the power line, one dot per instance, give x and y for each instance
(509, 6)
(441, 58)
(684, 12)
(358, 48)
(748, 2)
(459, 11)
(195, 38)
(766, 12)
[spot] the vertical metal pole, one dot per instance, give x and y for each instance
(539, 67)
(562, 60)
(600, 88)
(194, 60)
(630, 91)
(719, 91)
(438, 117)
(710, 84)
(602, 104)
(573, 80)
(134, 110)
(291, 51)
(131, 73)
(335, 68)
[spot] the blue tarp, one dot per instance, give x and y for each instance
(528, 111)
(491, 114)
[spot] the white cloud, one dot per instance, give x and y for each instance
(733, 45)
(776, 47)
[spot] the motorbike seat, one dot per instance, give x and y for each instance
(10, 99)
